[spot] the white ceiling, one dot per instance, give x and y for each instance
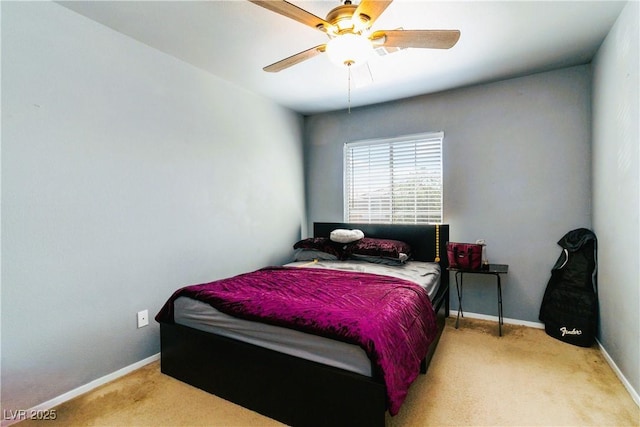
(235, 39)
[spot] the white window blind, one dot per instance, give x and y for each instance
(396, 180)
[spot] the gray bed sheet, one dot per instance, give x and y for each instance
(202, 316)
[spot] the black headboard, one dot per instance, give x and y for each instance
(428, 242)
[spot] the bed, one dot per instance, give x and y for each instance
(305, 386)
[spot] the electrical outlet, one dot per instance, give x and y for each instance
(143, 318)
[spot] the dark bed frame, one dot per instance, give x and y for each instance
(296, 391)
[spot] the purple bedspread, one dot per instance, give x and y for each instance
(391, 319)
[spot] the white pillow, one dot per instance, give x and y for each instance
(341, 235)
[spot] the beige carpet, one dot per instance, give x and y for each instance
(476, 378)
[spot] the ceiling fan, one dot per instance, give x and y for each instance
(351, 39)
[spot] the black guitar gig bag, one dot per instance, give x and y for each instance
(569, 307)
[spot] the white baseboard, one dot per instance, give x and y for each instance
(537, 325)
(505, 320)
(621, 377)
(49, 404)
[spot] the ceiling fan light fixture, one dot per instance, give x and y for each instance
(349, 49)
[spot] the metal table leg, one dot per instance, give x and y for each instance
(459, 290)
(500, 321)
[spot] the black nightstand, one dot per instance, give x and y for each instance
(494, 269)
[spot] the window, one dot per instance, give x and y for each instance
(397, 180)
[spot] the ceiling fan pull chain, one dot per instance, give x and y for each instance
(349, 89)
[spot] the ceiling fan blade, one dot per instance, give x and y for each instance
(295, 59)
(372, 9)
(430, 39)
(292, 11)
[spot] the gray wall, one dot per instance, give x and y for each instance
(125, 174)
(517, 160)
(616, 198)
